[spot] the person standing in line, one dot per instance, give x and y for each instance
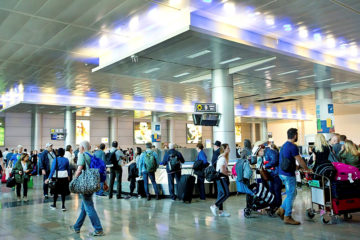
(222, 182)
(174, 172)
(22, 170)
(350, 155)
(45, 161)
(5, 153)
(16, 156)
(100, 154)
(9, 156)
(117, 157)
(146, 157)
(201, 157)
(71, 157)
(60, 172)
(215, 156)
(87, 204)
(289, 153)
(133, 171)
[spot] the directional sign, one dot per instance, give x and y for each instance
(205, 107)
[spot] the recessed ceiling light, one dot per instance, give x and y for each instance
(285, 73)
(309, 76)
(152, 70)
(181, 75)
(230, 60)
(264, 68)
(324, 80)
(338, 83)
(195, 55)
(238, 83)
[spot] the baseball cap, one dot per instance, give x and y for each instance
(217, 143)
(49, 145)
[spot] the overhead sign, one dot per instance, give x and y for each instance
(205, 107)
(57, 134)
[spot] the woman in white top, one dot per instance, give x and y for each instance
(69, 154)
(223, 182)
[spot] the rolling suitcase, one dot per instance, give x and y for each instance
(346, 205)
(186, 188)
(140, 188)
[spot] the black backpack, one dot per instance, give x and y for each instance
(211, 174)
(110, 159)
(174, 163)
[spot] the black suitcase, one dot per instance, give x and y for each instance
(186, 188)
(140, 188)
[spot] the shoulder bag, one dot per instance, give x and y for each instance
(53, 182)
(286, 164)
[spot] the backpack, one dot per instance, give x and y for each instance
(233, 170)
(97, 163)
(110, 159)
(243, 170)
(211, 174)
(150, 162)
(174, 163)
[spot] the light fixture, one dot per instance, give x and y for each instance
(181, 75)
(235, 84)
(174, 2)
(333, 84)
(153, 13)
(229, 8)
(269, 20)
(330, 42)
(264, 68)
(353, 50)
(207, 1)
(195, 55)
(285, 73)
(317, 37)
(324, 80)
(152, 70)
(134, 23)
(103, 42)
(309, 76)
(303, 32)
(230, 60)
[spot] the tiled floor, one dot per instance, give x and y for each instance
(164, 219)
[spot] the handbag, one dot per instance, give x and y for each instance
(287, 165)
(88, 182)
(265, 175)
(11, 182)
(53, 182)
(30, 183)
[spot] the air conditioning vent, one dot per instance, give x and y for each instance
(254, 95)
(269, 99)
(284, 100)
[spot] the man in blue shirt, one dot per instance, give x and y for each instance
(145, 174)
(172, 173)
(201, 178)
(100, 154)
(290, 151)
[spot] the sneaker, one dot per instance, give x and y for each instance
(25, 199)
(18, 199)
(119, 197)
(71, 228)
(46, 196)
(280, 212)
(290, 220)
(63, 209)
(157, 197)
(127, 197)
(97, 234)
(148, 197)
(224, 214)
(52, 207)
(110, 196)
(214, 210)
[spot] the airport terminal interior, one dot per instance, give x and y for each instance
(179, 119)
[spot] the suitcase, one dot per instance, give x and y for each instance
(3, 178)
(345, 189)
(346, 205)
(186, 188)
(140, 188)
(346, 172)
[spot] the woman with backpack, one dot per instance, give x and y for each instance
(350, 155)
(60, 175)
(222, 182)
(21, 171)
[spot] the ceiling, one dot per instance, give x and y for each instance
(41, 47)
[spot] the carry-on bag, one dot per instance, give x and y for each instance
(186, 188)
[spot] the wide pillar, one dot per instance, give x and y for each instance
(223, 96)
(70, 127)
(113, 129)
(36, 119)
(324, 101)
(264, 130)
(155, 129)
(171, 130)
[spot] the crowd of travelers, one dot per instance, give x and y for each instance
(60, 167)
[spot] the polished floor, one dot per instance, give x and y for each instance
(164, 219)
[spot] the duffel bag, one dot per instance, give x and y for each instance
(87, 183)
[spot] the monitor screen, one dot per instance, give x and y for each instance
(193, 133)
(142, 132)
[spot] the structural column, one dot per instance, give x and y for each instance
(264, 130)
(155, 129)
(70, 127)
(223, 96)
(324, 101)
(113, 129)
(171, 130)
(36, 119)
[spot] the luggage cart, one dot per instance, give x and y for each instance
(321, 196)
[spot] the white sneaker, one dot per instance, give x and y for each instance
(224, 214)
(25, 199)
(214, 210)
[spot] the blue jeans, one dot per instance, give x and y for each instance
(201, 187)
(275, 188)
(223, 192)
(146, 177)
(87, 207)
(171, 177)
(290, 186)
